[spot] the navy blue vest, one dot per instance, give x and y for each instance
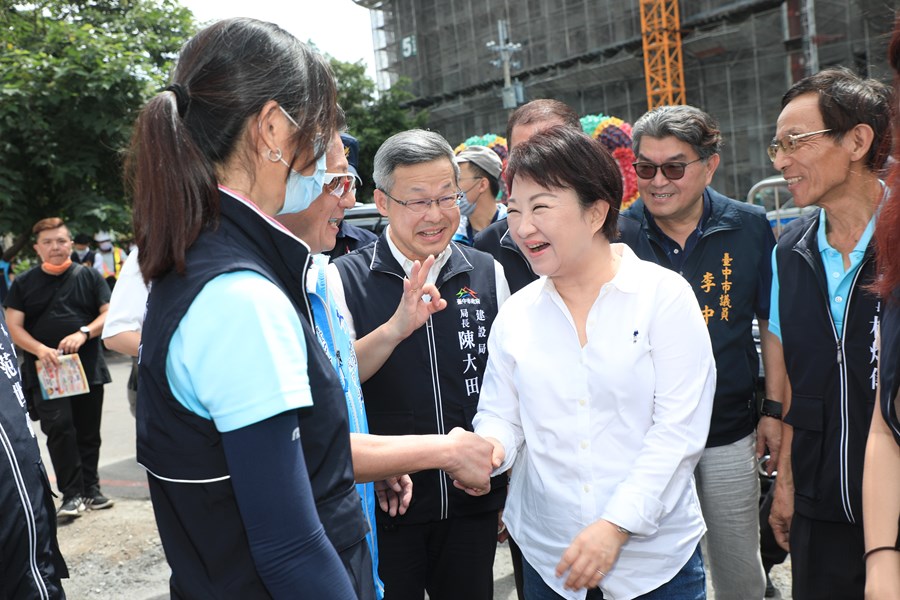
(724, 272)
(196, 512)
(832, 379)
(30, 562)
(496, 241)
(431, 382)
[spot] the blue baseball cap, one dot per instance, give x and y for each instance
(351, 151)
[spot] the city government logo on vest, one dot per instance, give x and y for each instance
(467, 295)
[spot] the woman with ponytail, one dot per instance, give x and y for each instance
(242, 424)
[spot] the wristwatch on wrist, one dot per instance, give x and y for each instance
(86, 331)
(770, 408)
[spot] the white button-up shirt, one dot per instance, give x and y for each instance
(612, 430)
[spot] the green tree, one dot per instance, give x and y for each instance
(372, 118)
(73, 76)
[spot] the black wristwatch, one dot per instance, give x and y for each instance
(86, 331)
(771, 408)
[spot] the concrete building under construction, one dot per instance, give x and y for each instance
(739, 58)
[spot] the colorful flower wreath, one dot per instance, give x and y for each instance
(615, 135)
(496, 143)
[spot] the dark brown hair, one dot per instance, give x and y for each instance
(543, 110)
(46, 224)
(564, 158)
(847, 100)
(887, 231)
(687, 124)
(225, 75)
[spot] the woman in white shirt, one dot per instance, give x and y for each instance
(599, 388)
(125, 317)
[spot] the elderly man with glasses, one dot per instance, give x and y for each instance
(425, 380)
(723, 248)
(831, 141)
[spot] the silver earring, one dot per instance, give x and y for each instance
(274, 156)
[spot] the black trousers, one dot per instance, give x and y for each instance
(450, 559)
(30, 560)
(515, 554)
(72, 427)
(826, 560)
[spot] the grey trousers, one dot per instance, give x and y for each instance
(728, 486)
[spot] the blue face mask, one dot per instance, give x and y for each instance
(303, 189)
(466, 208)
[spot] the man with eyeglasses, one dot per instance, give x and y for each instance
(831, 141)
(423, 362)
(55, 309)
(722, 247)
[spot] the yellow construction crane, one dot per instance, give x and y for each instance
(663, 65)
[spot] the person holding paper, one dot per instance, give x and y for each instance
(54, 309)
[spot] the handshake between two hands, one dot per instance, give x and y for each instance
(473, 458)
(466, 457)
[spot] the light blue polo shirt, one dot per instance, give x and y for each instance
(839, 280)
(233, 358)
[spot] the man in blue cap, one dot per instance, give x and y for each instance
(350, 237)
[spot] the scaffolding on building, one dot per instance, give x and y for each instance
(739, 57)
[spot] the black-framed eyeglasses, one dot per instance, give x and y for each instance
(789, 143)
(672, 171)
(420, 206)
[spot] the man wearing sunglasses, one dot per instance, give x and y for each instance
(424, 380)
(723, 248)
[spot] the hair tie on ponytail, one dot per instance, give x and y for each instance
(182, 99)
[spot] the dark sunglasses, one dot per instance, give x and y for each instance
(671, 171)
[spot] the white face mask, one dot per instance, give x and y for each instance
(106, 246)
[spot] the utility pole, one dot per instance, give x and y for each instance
(513, 94)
